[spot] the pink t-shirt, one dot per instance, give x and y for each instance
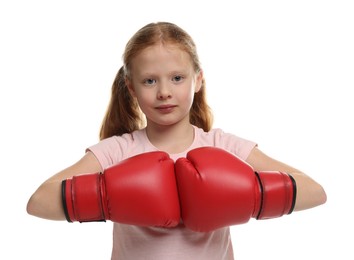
(134, 242)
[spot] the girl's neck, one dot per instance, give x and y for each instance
(172, 139)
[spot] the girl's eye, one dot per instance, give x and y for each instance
(149, 81)
(177, 78)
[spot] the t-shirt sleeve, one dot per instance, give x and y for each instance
(110, 151)
(241, 147)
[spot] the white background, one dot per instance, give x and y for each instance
(280, 73)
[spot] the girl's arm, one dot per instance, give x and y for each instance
(309, 192)
(46, 201)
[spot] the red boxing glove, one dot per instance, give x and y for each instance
(218, 189)
(140, 190)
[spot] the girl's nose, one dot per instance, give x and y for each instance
(164, 92)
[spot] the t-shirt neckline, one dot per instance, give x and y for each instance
(153, 147)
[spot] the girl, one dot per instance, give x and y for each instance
(158, 102)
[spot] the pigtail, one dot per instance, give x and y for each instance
(123, 114)
(200, 114)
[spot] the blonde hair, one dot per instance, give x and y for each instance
(123, 114)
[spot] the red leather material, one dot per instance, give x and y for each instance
(278, 194)
(143, 191)
(218, 189)
(140, 190)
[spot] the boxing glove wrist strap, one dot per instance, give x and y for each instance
(64, 201)
(278, 194)
(83, 204)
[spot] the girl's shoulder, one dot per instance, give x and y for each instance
(228, 141)
(113, 149)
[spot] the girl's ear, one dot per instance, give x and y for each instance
(130, 87)
(199, 81)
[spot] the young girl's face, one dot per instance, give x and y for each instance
(163, 80)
